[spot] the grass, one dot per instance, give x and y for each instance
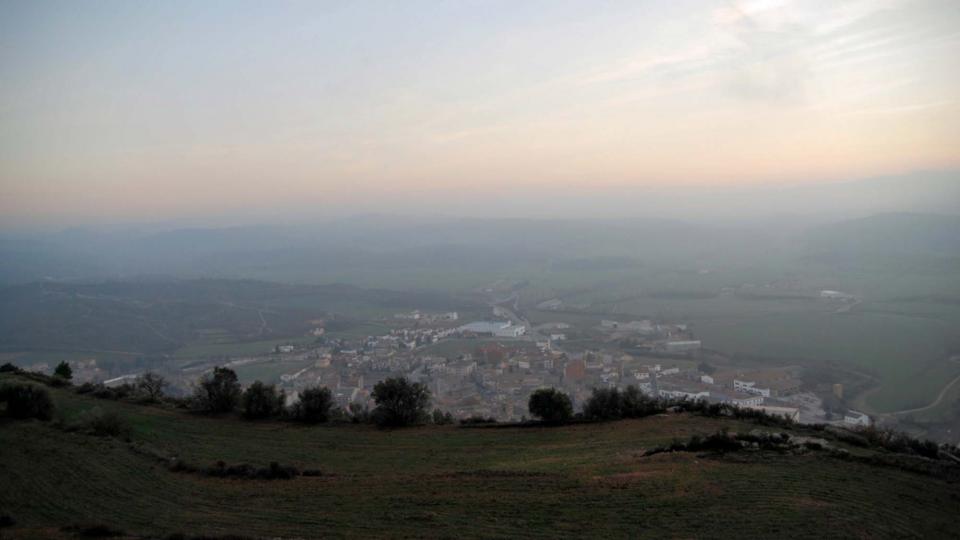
(270, 371)
(200, 350)
(898, 349)
(584, 480)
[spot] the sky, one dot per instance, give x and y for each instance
(117, 110)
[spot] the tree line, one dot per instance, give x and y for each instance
(399, 402)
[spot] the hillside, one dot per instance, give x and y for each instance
(582, 480)
(888, 235)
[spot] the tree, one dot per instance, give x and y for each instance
(635, 404)
(27, 401)
(217, 392)
(441, 418)
(400, 402)
(260, 401)
(151, 385)
(313, 405)
(604, 404)
(64, 371)
(551, 405)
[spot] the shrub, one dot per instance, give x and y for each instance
(477, 419)
(900, 443)
(27, 401)
(151, 385)
(359, 414)
(604, 404)
(634, 404)
(313, 405)
(260, 401)
(217, 392)
(220, 469)
(551, 406)
(400, 402)
(102, 423)
(64, 371)
(116, 392)
(441, 418)
(10, 368)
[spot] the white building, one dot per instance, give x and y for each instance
(856, 418)
(681, 394)
(750, 387)
(750, 401)
(494, 328)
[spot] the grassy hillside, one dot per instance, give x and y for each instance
(584, 480)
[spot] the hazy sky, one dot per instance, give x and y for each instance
(130, 110)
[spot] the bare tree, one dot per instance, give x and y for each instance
(151, 385)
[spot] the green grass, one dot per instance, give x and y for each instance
(270, 371)
(53, 357)
(906, 353)
(200, 350)
(586, 480)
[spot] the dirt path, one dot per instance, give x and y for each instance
(861, 401)
(943, 394)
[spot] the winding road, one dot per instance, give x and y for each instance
(943, 393)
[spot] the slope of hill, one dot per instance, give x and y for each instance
(583, 480)
(890, 235)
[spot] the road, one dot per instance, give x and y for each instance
(943, 393)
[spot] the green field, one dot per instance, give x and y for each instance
(907, 354)
(270, 371)
(201, 350)
(586, 480)
(53, 357)
(904, 344)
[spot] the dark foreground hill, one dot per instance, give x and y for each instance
(582, 480)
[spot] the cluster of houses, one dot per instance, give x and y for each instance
(494, 365)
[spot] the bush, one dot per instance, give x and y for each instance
(106, 392)
(102, 423)
(441, 418)
(897, 442)
(551, 406)
(477, 420)
(260, 401)
(10, 368)
(27, 401)
(274, 472)
(313, 406)
(359, 414)
(151, 385)
(604, 404)
(217, 392)
(400, 402)
(612, 404)
(63, 371)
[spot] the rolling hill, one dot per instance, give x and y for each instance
(588, 480)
